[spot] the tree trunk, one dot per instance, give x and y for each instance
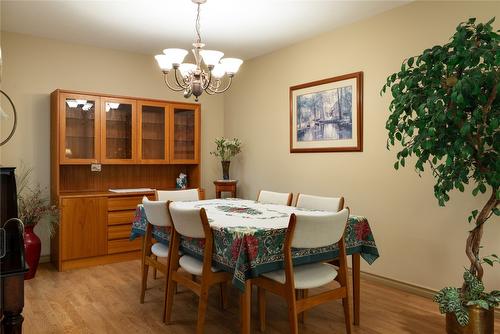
(474, 240)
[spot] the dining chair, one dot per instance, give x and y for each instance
(157, 215)
(333, 204)
(176, 195)
(193, 223)
(271, 197)
(305, 231)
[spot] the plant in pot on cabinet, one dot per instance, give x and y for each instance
(226, 150)
(34, 207)
(445, 112)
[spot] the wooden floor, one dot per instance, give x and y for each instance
(105, 299)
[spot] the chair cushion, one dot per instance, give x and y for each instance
(192, 265)
(159, 249)
(307, 276)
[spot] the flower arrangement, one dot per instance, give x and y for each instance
(33, 205)
(226, 148)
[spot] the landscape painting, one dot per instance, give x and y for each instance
(326, 115)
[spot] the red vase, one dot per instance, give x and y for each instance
(32, 249)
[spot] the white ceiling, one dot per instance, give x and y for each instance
(240, 28)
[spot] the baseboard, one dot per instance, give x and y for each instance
(45, 258)
(406, 287)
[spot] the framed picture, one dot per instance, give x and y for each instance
(327, 115)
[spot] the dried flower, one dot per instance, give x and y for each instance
(33, 205)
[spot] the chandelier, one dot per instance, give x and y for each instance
(211, 73)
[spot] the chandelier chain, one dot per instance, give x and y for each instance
(198, 39)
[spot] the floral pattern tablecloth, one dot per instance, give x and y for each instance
(249, 237)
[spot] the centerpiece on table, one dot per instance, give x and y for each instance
(34, 207)
(226, 150)
(446, 112)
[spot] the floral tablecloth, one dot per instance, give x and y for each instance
(249, 237)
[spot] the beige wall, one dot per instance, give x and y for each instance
(34, 67)
(419, 242)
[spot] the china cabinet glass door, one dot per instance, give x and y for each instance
(118, 122)
(80, 129)
(184, 133)
(153, 132)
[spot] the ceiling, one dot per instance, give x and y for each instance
(243, 29)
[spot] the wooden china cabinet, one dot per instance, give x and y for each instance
(101, 142)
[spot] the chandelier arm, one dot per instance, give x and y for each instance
(213, 87)
(169, 85)
(225, 88)
(209, 80)
(184, 84)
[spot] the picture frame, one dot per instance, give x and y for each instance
(327, 115)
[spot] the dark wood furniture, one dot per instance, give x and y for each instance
(225, 186)
(12, 264)
(101, 142)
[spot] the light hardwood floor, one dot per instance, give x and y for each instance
(105, 299)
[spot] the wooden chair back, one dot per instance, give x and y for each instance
(318, 231)
(156, 212)
(178, 195)
(332, 204)
(188, 222)
(271, 197)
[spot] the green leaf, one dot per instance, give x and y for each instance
(488, 261)
(396, 165)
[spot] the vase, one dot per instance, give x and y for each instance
(32, 249)
(481, 321)
(225, 169)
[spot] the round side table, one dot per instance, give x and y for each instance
(225, 186)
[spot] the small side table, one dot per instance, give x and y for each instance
(225, 186)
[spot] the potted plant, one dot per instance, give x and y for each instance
(34, 207)
(226, 149)
(445, 111)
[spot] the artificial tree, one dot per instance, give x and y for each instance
(446, 112)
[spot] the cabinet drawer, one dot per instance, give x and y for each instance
(120, 217)
(124, 245)
(119, 231)
(123, 203)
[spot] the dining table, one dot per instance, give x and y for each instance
(249, 238)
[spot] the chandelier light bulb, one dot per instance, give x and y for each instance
(218, 71)
(174, 56)
(186, 69)
(163, 62)
(231, 65)
(211, 57)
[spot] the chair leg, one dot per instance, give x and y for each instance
(164, 314)
(261, 295)
(171, 286)
(347, 314)
(292, 313)
(154, 268)
(202, 309)
(223, 295)
(144, 281)
(302, 294)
